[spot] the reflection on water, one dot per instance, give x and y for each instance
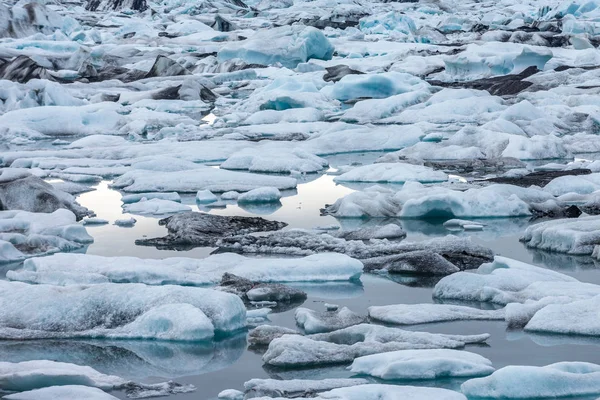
(132, 359)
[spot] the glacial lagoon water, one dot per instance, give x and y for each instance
(228, 363)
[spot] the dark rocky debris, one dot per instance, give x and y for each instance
(539, 178)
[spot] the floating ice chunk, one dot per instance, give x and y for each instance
(422, 364)
(260, 195)
(288, 45)
(94, 141)
(392, 21)
(205, 196)
(134, 198)
(390, 392)
(102, 118)
(277, 161)
(454, 224)
(65, 269)
(8, 252)
(126, 222)
(581, 184)
(373, 110)
(231, 394)
(572, 318)
(204, 178)
(392, 173)
(131, 311)
(389, 231)
(295, 387)
(408, 314)
(497, 282)
(38, 234)
(571, 235)
(374, 86)
(305, 114)
(20, 190)
(264, 334)
(62, 393)
(344, 345)
(563, 379)
(155, 207)
(95, 221)
(318, 322)
(417, 201)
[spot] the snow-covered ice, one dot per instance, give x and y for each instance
(422, 364)
(408, 314)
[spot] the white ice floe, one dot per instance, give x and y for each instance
(344, 345)
(392, 173)
(37, 234)
(126, 222)
(202, 178)
(66, 269)
(374, 86)
(95, 221)
(276, 161)
(118, 311)
(156, 207)
(422, 364)
(383, 392)
(408, 314)
(572, 236)
(260, 195)
(62, 393)
(563, 379)
(457, 224)
(317, 322)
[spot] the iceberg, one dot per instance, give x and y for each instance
(344, 345)
(288, 45)
(155, 207)
(318, 322)
(374, 86)
(422, 364)
(409, 314)
(69, 269)
(571, 236)
(25, 234)
(260, 195)
(118, 311)
(563, 379)
(280, 161)
(295, 387)
(392, 173)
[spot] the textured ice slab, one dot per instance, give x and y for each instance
(344, 345)
(571, 236)
(202, 178)
(502, 281)
(62, 393)
(288, 45)
(374, 86)
(23, 191)
(278, 161)
(66, 269)
(422, 364)
(134, 198)
(24, 234)
(568, 318)
(438, 256)
(318, 322)
(31, 375)
(415, 200)
(260, 195)
(118, 311)
(295, 387)
(408, 314)
(156, 207)
(392, 173)
(563, 379)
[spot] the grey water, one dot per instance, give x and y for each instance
(227, 364)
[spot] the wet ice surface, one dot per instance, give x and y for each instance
(226, 364)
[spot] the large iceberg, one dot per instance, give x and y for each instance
(288, 45)
(118, 311)
(572, 236)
